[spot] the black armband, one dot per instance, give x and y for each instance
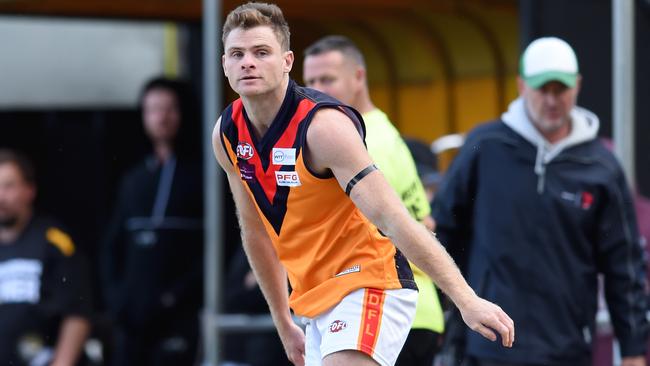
(367, 170)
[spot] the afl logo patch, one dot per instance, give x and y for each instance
(337, 326)
(244, 150)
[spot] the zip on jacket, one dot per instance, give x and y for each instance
(584, 127)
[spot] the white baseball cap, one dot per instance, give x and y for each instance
(549, 59)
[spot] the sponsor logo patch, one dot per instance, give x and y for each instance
(337, 326)
(283, 156)
(287, 179)
(20, 281)
(353, 269)
(587, 200)
(246, 171)
(245, 150)
(582, 199)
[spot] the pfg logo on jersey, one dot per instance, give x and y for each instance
(337, 326)
(287, 179)
(282, 156)
(244, 150)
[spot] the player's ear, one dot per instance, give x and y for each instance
(223, 65)
(288, 61)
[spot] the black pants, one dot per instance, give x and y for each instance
(172, 346)
(420, 348)
(255, 349)
(481, 362)
(473, 361)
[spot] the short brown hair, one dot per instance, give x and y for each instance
(337, 43)
(21, 161)
(251, 15)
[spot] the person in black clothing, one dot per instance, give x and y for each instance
(540, 207)
(244, 296)
(152, 255)
(44, 294)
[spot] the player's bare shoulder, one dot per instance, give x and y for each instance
(335, 143)
(216, 132)
(330, 124)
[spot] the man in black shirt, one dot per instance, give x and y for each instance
(152, 251)
(44, 298)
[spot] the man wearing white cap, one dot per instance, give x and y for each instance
(539, 207)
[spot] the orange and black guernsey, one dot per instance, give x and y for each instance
(326, 244)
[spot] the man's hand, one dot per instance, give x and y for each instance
(485, 318)
(633, 361)
(293, 340)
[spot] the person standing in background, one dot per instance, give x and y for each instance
(45, 302)
(152, 254)
(539, 207)
(335, 66)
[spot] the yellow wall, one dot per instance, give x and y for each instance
(423, 110)
(434, 71)
(476, 101)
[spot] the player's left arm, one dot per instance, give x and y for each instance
(333, 143)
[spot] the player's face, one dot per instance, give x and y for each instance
(549, 106)
(331, 73)
(16, 195)
(161, 115)
(254, 61)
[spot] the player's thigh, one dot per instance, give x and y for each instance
(347, 358)
(369, 321)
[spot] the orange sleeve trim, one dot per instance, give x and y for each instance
(228, 149)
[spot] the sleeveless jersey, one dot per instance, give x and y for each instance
(328, 247)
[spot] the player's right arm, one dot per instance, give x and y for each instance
(262, 257)
(341, 151)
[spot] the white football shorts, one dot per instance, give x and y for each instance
(375, 322)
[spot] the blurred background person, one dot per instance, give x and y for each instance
(426, 163)
(152, 256)
(244, 296)
(603, 344)
(44, 294)
(540, 207)
(334, 65)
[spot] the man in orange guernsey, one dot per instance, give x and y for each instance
(312, 206)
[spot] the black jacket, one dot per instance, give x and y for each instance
(154, 246)
(537, 254)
